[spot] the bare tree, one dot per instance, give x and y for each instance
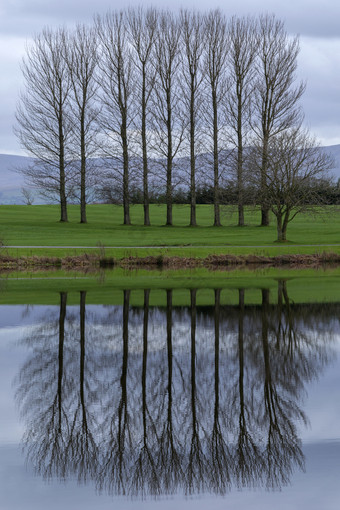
(167, 104)
(241, 59)
(117, 86)
(142, 26)
(276, 105)
(43, 120)
(82, 58)
(193, 45)
(28, 195)
(295, 165)
(215, 60)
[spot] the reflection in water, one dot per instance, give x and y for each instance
(153, 401)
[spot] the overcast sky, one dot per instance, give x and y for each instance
(316, 21)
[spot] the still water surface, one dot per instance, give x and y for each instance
(126, 407)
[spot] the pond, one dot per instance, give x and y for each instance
(219, 397)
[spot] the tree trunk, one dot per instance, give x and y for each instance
(279, 295)
(282, 224)
(126, 205)
(193, 222)
(122, 408)
(62, 191)
(62, 316)
(193, 356)
(123, 378)
(217, 221)
(283, 234)
(264, 205)
(82, 172)
(63, 201)
(170, 355)
(145, 356)
(145, 154)
(267, 383)
(279, 227)
(169, 164)
(240, 215)
(217, 354)
(242, 418)
(82, 357)
(264, 216)
(240, 191)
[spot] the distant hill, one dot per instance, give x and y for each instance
(334, 151)
(12, 181)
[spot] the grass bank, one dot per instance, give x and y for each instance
(93, 262)
(34, 232)
(38, 225)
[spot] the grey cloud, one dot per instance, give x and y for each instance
(306, 17)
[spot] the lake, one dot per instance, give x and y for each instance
(216, 391)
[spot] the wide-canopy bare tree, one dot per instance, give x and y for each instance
(276, 105)
(44, 125)
(294, 169)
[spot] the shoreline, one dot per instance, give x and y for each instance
(94, 261)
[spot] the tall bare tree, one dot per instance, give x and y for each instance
(117, 85)
(82, 59)
(215, 56)
(142, 27)
(276, 106)
(241, 59)
(167, 104)
(43, 120)
(193, 45)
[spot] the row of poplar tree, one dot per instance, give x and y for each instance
(151, 85)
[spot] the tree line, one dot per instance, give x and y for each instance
(122, 103)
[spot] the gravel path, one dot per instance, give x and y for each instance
(173, 246)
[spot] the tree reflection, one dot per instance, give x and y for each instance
(248, 460)
(220, 458)
(280, 410)
(197, 462)
(196, 399)
(60, 438)
(170, 466)
(146, 477)
(117, 443)
(82, 450)
(43, 395)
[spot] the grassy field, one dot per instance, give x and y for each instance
(304, 286)
(38, 225)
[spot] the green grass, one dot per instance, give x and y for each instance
(304, 286)
(38, 225)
